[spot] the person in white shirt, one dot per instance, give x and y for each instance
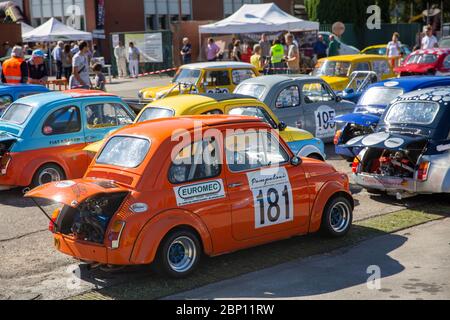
(121, 59)
(429, 41)
(393, 50)
(133, 60)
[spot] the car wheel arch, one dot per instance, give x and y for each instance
(32, 168)
(160, 226)
(327, 193)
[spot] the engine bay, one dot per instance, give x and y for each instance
(90, 220)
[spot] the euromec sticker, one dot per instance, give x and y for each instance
(199, 192)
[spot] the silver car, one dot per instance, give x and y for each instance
(410, 152)
(304, 102)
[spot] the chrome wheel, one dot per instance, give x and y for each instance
(49, 175)
(182, 254)
(340, 216)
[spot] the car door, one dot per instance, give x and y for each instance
(319, 105)
(101, 118)
(287, 105)
(218, 81)
(267, 194)
(61, 130)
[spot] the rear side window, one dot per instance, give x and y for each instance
(218, 78)
(198, 161)
(17, 113)
(241, 75)
(105, 115)
(62, 121)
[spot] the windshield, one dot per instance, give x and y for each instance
(17, 113)
(420, 113)
(422, 59)
(376, 51)
(252, 90)
(152, 113)
(332, 68)
(188, 76)
(379, 96)
(113, 153)
(444, 43)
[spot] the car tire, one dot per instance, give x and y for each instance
(337, 217)
(179, 254)
(46, 174)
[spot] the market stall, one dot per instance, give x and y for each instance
(54, 30)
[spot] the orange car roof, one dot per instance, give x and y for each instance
(164, 128)
(80, 93)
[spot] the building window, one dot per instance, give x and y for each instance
(160, 13)
(70, 12)
(231, 6)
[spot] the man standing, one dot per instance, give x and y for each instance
(121, 59)
(429, 41)
(293, 57)
(334, 47)
(57, 56)
(212, 50)
(37, 71)
(80, 71)
(15, 68)
(277, 55)
(186, 52)
(7, 49)
(320, 48)
(134, 56)
(264, 43)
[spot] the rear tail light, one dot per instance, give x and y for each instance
(355, 165)
(337, 137)
(422, 174)
(115, 233)
(4, 163)
(51, 225)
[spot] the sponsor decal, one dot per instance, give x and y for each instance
(272, 197)
(391, 84)
(394, 142)
(199, 192)
(325, 125)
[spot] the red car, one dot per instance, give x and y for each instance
(426, 62)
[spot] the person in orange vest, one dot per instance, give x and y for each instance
(14, 70)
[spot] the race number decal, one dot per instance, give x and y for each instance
(325, 126)
(199, 192)
(272, 197)
(218, 90)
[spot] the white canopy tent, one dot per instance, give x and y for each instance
(259, 18)
(54, 30)
(26, 28)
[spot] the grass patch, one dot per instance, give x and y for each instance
(212, 270)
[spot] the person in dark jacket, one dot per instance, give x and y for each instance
(37, 70)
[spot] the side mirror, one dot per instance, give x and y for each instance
(282, 126)
(296, 161)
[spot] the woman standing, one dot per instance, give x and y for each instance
(393, 50)
(237, 53)
(67, 61)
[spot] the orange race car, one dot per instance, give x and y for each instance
(165, 192)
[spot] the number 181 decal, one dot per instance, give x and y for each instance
(272, 197)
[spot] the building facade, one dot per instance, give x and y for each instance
(103, 17)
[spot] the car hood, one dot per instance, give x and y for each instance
(361, 119)
(7, 137)
(156, 92)
(74, 192)
(336, 83)
(291, 134)
(384, 140)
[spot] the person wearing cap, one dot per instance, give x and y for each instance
(37, 71)
(14, 70)
(57, 54)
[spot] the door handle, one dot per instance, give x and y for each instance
(235, 185)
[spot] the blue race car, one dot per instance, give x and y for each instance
(12, 92)
(372, 105)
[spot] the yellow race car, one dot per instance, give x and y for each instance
(336, 70)
(207, 77)
(301, 142)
